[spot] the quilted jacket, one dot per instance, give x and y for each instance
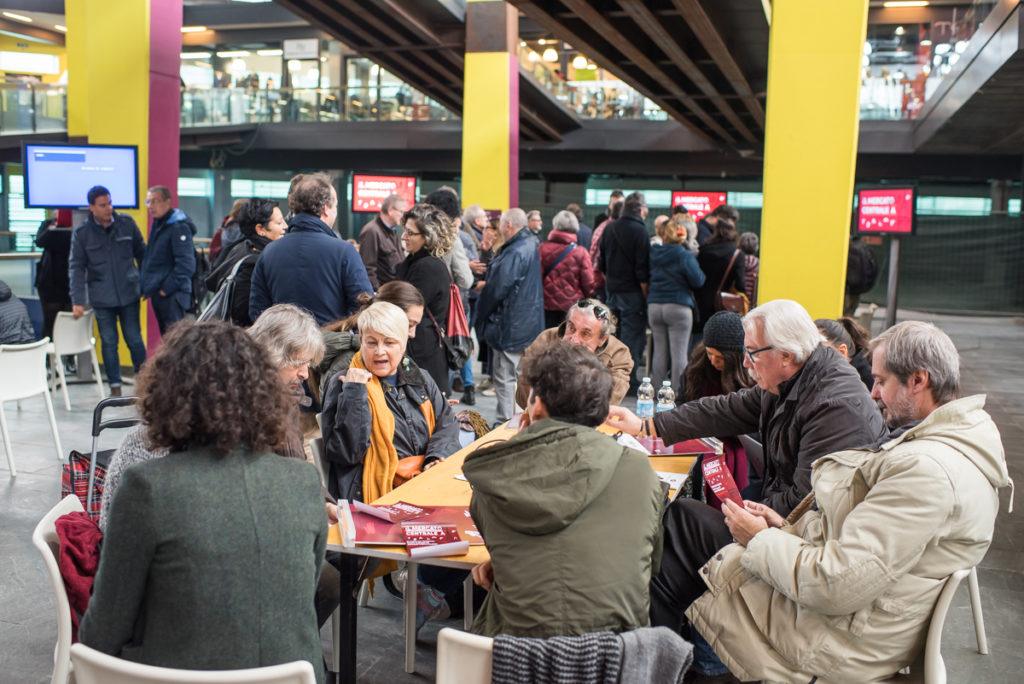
(573, 277)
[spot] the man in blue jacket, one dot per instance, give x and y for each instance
(510, 311)
(310, 266)
(170, 259)
(106, 252)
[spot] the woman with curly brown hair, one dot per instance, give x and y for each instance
(212, 553)
(427, 235)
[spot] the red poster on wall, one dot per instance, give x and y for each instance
(699, 204)
(369, 192)
(888, 210)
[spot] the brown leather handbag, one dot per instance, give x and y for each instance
(408, 468)
(731, 301)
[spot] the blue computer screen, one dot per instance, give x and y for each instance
(61, 175)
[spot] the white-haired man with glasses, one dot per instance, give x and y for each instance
(590, 324)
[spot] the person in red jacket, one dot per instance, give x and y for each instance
(566, 269)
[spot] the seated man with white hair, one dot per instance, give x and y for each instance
(808, 402)
(845, 592)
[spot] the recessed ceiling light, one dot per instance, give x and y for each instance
(550, 55)
(192, 29)
(232, 53)
(19, 17)
(195, 55)
(905, 3)
(61, 28)
(270, 53)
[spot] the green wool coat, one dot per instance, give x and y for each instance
(572, 522)
(211, 563)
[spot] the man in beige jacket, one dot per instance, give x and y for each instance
(588, 323)
(844, 593)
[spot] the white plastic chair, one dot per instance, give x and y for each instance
(44, 538)
(93, 667)
(931, 669)
(73, 336)
(463, 658)
(23, 370)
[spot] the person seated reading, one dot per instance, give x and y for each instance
(572, 520)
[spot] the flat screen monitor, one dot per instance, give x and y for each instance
(887, 211)
(369, 192)
(699, 204)
(60, 176)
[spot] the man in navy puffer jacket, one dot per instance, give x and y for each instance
(170, 259)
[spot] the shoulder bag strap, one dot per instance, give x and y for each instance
(728, 270)
(566, 252)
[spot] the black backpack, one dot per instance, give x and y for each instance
(199, 289)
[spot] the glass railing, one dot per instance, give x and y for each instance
(231, 106)
(32, 108)
(591, 99)
(904, 65)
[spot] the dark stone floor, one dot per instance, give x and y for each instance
(992, 353)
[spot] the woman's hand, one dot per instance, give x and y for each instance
(741, 524)
(483, 575)
(477, 267)
(622, 418)
(357, 375)
(432, 464)
(767, 512)
(332, 513)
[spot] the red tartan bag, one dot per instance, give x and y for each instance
(75, 478)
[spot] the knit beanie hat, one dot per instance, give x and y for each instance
(724, 332)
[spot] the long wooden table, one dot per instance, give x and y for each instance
(435, 487)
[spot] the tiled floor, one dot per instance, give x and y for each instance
(992, 353)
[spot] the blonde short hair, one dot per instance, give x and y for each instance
(386, 319)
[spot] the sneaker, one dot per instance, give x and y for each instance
(489, 392)
(430, 605)
(486, 384)
(469, 396)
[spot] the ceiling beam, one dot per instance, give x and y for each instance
(34, 33)
(653, 27)
(585, 11)
(701, 25)
(556, 27)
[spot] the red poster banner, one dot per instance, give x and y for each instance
(369, 192)
(890, 210)
(698, 204)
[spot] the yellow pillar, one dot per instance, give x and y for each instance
(490, 106)
(123, 88)
(810, 150)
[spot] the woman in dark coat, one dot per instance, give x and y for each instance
(427, 236)
(261, 222)
(714, 258)
(54, 237)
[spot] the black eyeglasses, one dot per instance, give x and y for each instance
(411, 233)
(752, 352)
(599, 311)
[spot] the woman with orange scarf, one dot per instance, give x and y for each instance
(384, 419)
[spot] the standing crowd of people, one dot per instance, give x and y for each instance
(877, 480)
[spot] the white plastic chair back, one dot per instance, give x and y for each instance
(22, 375)
(316, 445)
(463, 658)
(73, 335)
(931, 669)
(44, 538)
(93, 667)
(23, 369)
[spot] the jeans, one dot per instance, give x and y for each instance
(670, 329)
(106, 321)
(168, 311)
(630, 309)
(505, 366)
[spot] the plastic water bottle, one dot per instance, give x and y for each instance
(666, 397)
(645, 399)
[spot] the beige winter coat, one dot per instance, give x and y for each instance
(845, 594)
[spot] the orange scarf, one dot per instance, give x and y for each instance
(381, 459)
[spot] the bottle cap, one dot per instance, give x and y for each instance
(666, 383)
(646, 379)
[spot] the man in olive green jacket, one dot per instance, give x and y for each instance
(571, 519)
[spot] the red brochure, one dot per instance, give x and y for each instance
(393, 513)
(362, 528)
(718, 477)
